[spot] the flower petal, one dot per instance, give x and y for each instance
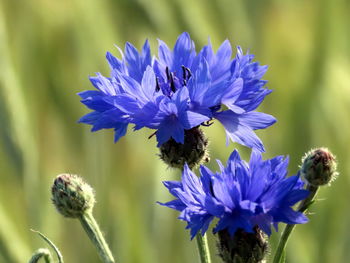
(257, 120)
(237, 131)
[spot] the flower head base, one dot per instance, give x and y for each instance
(241, 195)
(319, 167)
(242, 247)
(71, 196)
(193, 152)
(178, 91)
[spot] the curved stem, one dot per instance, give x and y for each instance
(57, 251)
(203, 249)
(93, 231)
(41, 253)
(304, 205)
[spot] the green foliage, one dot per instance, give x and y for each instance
(283, 258)
(45, 252)
(49, 48)
(41, 253)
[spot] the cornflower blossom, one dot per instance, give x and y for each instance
(180, 90)
(242, 196)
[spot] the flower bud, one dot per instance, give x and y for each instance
(242, 247)
(319, 167)
(193, 152)
(72, 196)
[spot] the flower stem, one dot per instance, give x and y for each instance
(202, 245)
(203, 249)
(304, 205)
(41, 253)
(93, 231)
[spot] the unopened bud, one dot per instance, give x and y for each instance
(72, 196)
(193, 152)
(243, 247)
(319, 167)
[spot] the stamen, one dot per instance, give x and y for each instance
(184, 75)
(211, 188)
(172, 83)
(167, 73)
(208, 123)
(149, 137)
(189, 73)
(157, 85)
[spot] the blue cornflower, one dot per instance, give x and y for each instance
(241, 195)
(178, 91)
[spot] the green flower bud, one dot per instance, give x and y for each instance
(319, 167)
(71, 196)
(242, 247)
(193, 152)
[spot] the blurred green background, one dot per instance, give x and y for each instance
(49, 48)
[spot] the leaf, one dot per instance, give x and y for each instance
(41, 253)
(58, 253)
(283, 257)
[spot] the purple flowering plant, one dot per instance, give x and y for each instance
(179, 90)
(175, 93)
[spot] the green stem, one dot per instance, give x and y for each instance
(41, 253)
(203, 249)
(202, 245)
(52, 245)
(93, 231)
(304, 205)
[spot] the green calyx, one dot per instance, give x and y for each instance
(319, 167)
(194, 151)
(242, 247)
(71, 196)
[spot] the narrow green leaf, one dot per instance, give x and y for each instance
(283, 258)
(39, 254)
(58, 253)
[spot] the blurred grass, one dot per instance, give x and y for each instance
(48, 49)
